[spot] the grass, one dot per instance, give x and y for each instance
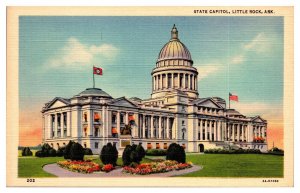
(214, 165)
(236, 165)
(33, 166)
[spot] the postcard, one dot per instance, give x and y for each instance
(150, 96)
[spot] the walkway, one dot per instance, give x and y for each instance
(60, 172)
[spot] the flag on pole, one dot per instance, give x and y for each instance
(98, 71)
(233, 97)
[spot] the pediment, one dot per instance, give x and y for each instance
(123, 102)
(55, 103)
(258, 119)
(208, 103)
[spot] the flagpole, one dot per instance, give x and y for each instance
(93, 78)
(229, 100)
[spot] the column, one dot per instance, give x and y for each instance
(161, 81)
(201, 129)
(196, 83)
(151, 127)
(126, 118)
(178, 79)
(167, 129)
(118, 123)
(219, 131)
(238, 132)
(144, 126)
(166, 81)
(91, 120)
(172, 82)
(159, 127)
(233, 131)
(210, 130)
(49, 125)
(205, 129)
(215, 130)
(68, 124)
(56, 125)
(153, 83)
(189, 83)
(192, 80)
(183, 80)
(243, 133)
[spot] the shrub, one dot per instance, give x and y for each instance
(109, 154)
(133, 154)
(39, 154)
(67, 150)
(76, 152)
(176, 152)
(276, 151)
(126, 155)
(26, 151)
(156, 152)
(88, 151)
(60, 151)
(46, 151)
(141, 152)
(52, 153)
(115, 155)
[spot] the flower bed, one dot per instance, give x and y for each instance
(84, 166)
(156, 167)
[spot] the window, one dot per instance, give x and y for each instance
(122, 118)
(157, 146)
(96, 131)
(64, 144)
(114, 118)
(182, 135)
(165, 146)
(65, 120)
(85, 117)
(57, 145)
(96, 145)
(149, 146)
(84, 145)
(96, 117)
(182, 122)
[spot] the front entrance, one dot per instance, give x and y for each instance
(201, 148)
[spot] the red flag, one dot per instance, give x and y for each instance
(97, 71)
(233, 97)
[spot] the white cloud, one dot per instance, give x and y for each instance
(207, 69)
(259, 43)
(76, 54)
(265, 110)
(238, 59)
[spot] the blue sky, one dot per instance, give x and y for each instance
(243, 55)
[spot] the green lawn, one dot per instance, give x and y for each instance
(214, 165)
(32, 166)
(237, 165)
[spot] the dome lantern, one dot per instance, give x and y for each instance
(174, 32)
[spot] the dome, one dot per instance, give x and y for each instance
(94, 92)
(174, 49)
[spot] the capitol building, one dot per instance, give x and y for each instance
(175, 113)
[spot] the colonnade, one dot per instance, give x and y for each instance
(219, 130)
(174, 80)
(58, 124)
